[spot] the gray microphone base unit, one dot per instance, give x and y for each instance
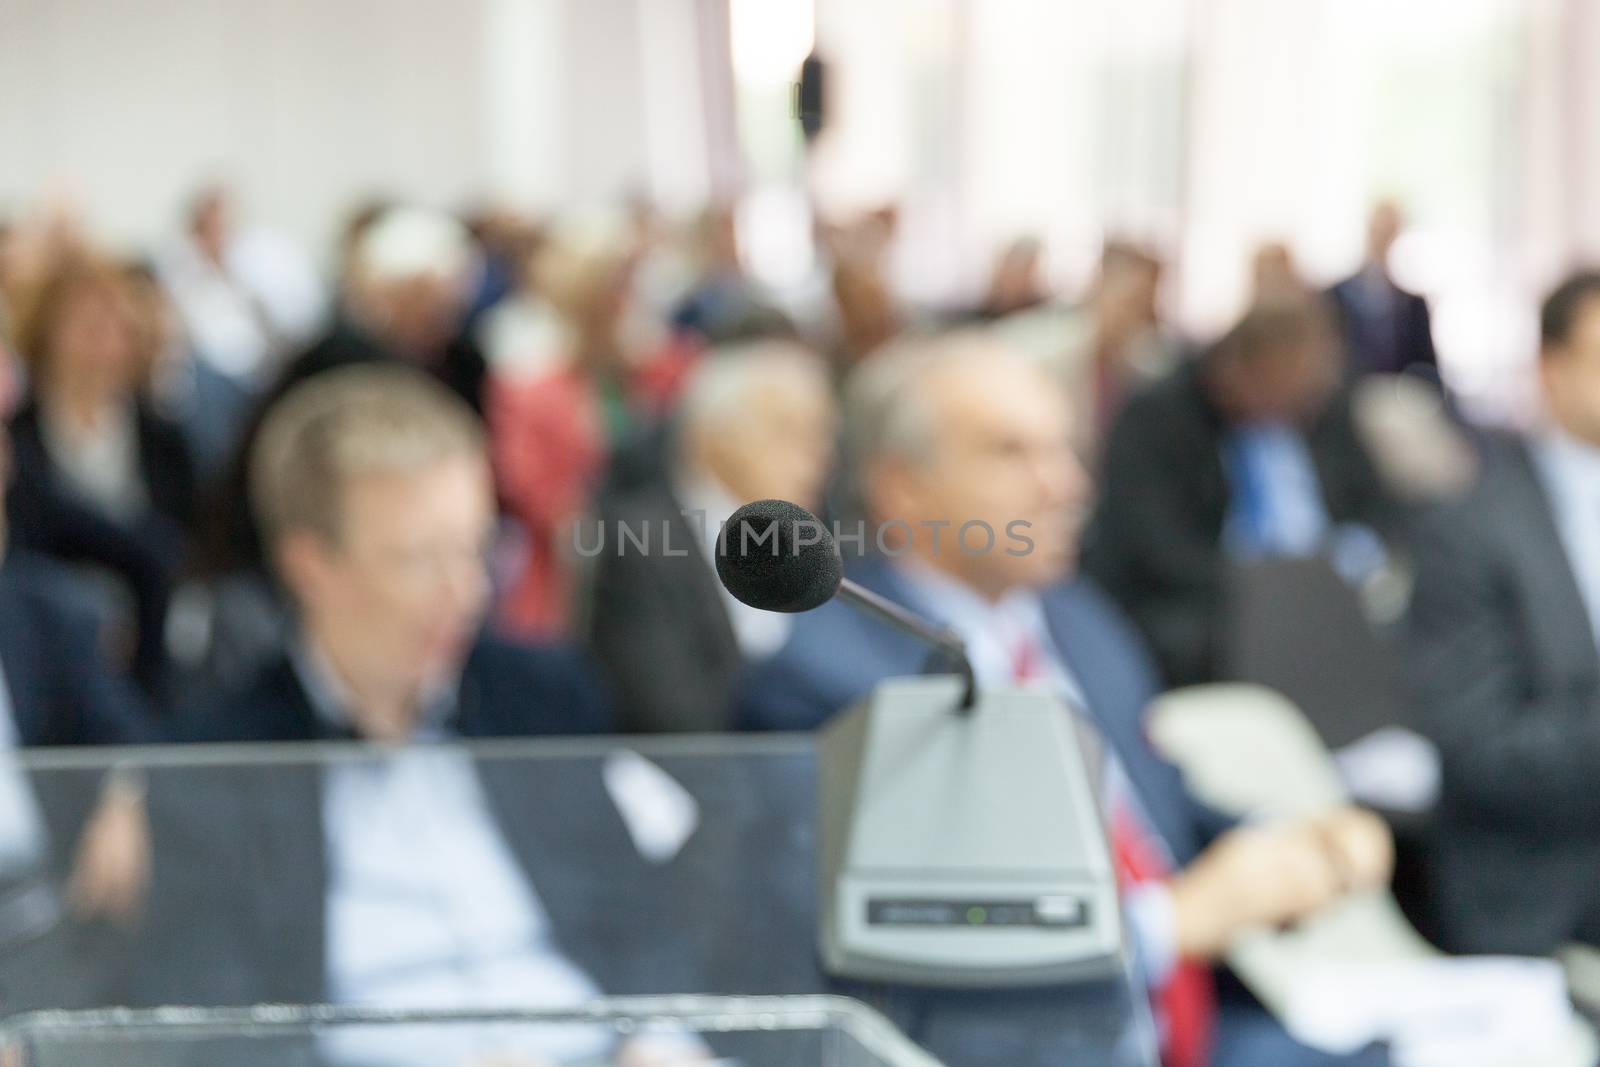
(963, 850)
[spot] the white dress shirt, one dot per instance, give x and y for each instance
(265, 299)
(427, 908)
(707, 506)
(102, 463)
(1571, 472)
(993, 631)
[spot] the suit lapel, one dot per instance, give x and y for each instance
(694, 582)
(1531, 523)
(1116, 699)
(903, 653)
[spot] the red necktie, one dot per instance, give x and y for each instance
(1187, 1000)
(1027, 660)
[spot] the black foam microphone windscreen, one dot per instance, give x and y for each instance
(777, 556)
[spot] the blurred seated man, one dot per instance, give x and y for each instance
(372, 488)
(756, 421)
(404, 297)
(1104, 349)
(958, 439)
(407, 879)
(1505, 615)
(1248, 452)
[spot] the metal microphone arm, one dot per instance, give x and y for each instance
(943, 637)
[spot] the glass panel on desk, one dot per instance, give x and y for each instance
(817, 1031)
(637, 867)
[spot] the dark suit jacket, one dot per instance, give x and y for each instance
(1507, 681)
(47, 517)
(836, 655)
(460, 366)
(506, 690)
(62, 690)
(238, 897)
(658, 622)
(1155, 541)
(1401, 340)
(165, 468)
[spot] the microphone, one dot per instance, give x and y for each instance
(777, 556)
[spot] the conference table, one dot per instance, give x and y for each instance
(666, 867)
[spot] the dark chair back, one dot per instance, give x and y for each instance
(1296, 626)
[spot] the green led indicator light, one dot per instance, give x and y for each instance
(977, 916)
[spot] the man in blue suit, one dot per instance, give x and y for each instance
(974, 499)
(1386, 329)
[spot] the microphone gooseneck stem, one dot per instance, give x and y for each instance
(944, 638)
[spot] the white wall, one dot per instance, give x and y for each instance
(309, 105)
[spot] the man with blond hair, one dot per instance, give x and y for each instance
(418, 877)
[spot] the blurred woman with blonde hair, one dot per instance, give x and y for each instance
(100, 478)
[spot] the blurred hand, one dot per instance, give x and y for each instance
(112, 869)
(1252, 876)
(1361, 846)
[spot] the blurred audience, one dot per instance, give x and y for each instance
(1105, 349)
(1248, 452)
(247, 298)
(756, 422)
(959, 431)
(1386, 329)
(100, 478)
(1504, 622)
(586, 400)
(507, 434)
